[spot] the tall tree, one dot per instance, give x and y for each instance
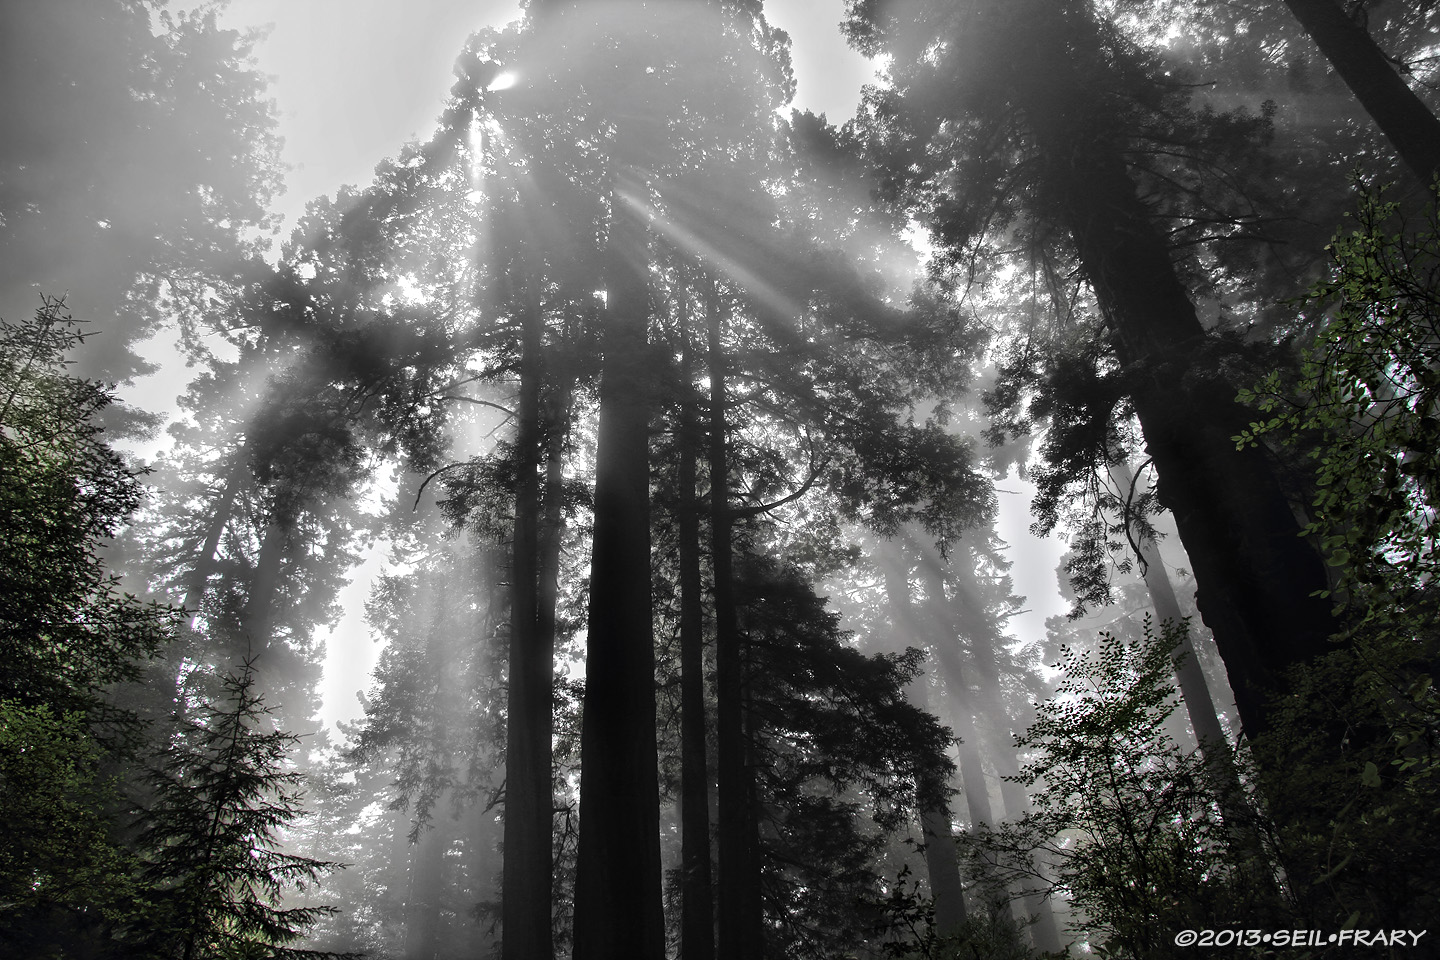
(941, 862)
(618, 882)
(1064, 127)
(697, 925)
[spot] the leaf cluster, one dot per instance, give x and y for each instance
(1128, 821)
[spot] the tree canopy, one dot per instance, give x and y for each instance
(674, 428)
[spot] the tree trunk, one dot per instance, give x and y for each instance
(481, 841)
(526, 883)
(618, 912)
(941, 863)
(427, 883)
(258, 620)
(1255, 575)
(945, 647)
(206, 560)
(1195, 693)
(740, 908)
(1401, 115)
(1204, 720)
(697, 920)
(997, 734)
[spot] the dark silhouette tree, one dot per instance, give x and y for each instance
(1065, 136)
(221, 796)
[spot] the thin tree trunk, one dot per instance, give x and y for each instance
(1256, 577)
(207, 558)
(1195, 693)
(258, 621)
(945, 646)
(1399, 113)
(941, 863)
(697, 920)
(398, 865)
(1204, 720)
(481, 841)
(1039, 910)
(422, 907)
(740, 910)
(618, 911)
(526, 883)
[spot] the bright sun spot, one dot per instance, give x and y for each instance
(503, 81)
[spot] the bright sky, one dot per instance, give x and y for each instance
(355, 79)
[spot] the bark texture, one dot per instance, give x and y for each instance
(618, 913)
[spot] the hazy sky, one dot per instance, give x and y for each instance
(355, 79)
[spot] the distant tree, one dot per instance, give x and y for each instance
(139, 157)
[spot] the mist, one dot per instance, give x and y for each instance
(602, 478)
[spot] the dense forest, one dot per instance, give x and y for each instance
(678, 415)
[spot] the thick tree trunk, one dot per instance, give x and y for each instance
(740, 910)
(1401, 115)
(526, 884)
(618, 912)
(697, 919)
(1255, 575)
(941, 863)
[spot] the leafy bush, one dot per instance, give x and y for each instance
(1350, 765)
(1129, 822)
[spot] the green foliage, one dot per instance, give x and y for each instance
(1355, 748)
(1348, 773)
(1129, 821)
(1365, 404)
(66, 629)
(222, 801)
(204, 876)
(63, 876)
